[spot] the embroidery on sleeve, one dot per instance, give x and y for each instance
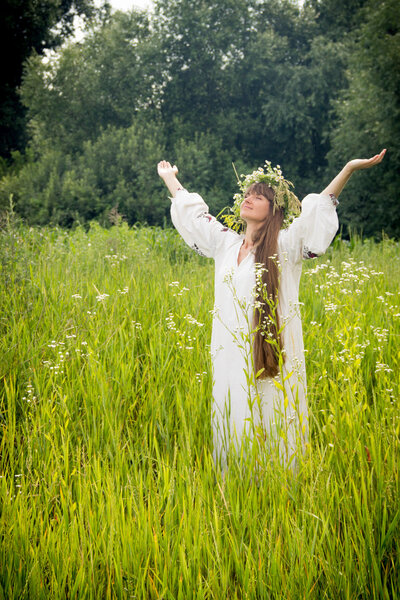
(209, 218)
(197, 249)
(308, 254)
(205, 215)
(335, 201)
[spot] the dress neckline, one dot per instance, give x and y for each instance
(251, 251)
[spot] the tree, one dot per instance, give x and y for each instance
(200, 43)
(256, 74)
(205, 167)
(288, 86)
(205, 84)
(368, 119)
(335, 18)
(117, 170)
(106, 80)
(25, 27)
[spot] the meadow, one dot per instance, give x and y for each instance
(107, 483)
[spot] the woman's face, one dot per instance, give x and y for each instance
(255, 207)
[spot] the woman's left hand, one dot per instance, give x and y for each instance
(337, 184)
(366, 163)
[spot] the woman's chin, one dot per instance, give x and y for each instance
(245, 214)
(247, 217)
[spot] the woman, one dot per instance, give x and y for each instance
(259, 381)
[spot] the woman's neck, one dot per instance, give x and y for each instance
(248, 238)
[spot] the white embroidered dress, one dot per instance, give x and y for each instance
(274, 406)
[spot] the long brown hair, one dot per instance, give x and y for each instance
(266, 319)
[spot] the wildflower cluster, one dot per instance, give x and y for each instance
(349, 282)
(391, 308)
(89, 312)
(193, 321)
(184, 338)
(284, 198)
(199, 376)
(349, 354)
(115, 259)
(30, 393)
(17, 484)
(102, 297)
(64, 350)
(175, 284)
(381, 334)
(382, 367)
(355, 346)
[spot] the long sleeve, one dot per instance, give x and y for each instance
(311, 233)
(201, 231)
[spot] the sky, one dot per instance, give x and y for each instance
(128, 4)
(116, 5)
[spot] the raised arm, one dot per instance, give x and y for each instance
(338, 183)
(190, 216)
(311, 233)
(168, 175)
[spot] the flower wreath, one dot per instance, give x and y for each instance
(284, 198)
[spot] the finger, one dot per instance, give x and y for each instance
(379, 157)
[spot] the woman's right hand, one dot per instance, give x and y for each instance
(168, 175)
(165, 170)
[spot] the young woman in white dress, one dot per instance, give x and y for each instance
(257, 352)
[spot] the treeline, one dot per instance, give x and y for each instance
(203, 85)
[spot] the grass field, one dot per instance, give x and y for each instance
(107, 482)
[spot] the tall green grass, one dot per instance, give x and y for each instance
(108, 488)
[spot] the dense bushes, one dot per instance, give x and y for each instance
(206, 84)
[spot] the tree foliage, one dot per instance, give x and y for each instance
(368, 114)
(204, 84)
(115, 171)
(105, 81)
(336, 18)
(25, 27)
